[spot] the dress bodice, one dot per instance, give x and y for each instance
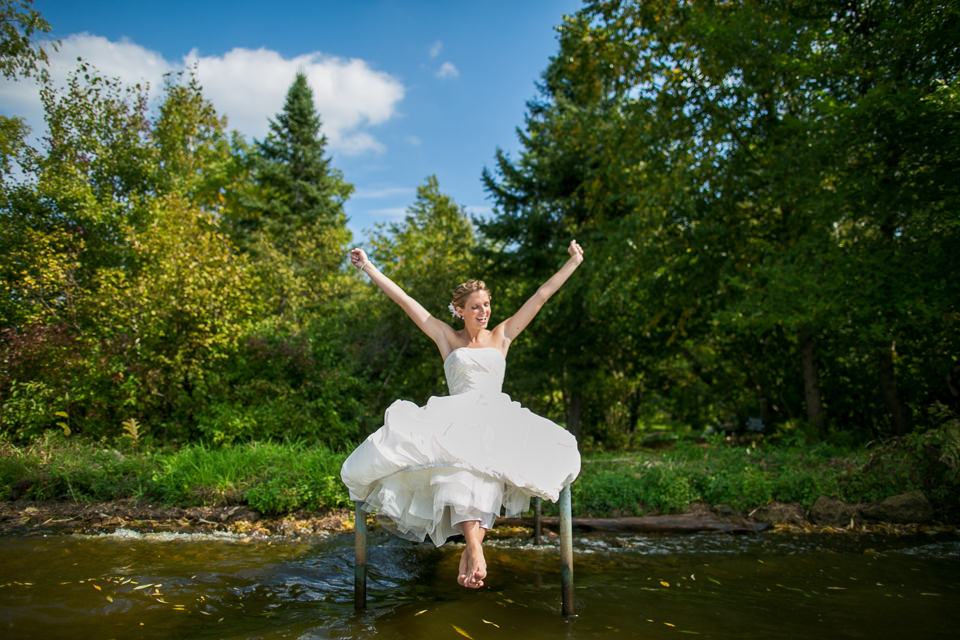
(474, 370)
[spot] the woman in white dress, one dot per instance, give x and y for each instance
(448, 467)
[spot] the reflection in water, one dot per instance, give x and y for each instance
(716, 586)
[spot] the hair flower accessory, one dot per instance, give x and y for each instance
(453, 311)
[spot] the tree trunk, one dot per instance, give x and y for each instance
(899, 414)
(811, 379)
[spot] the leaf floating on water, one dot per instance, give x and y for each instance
(665, 583)
(143, 586)
(461, 632)
(97, 587)
(488, 622)
(670, 624)
(715, 581)
(688, 632)
(932, 595)
(162, 601)
(109, 598)
(419, 613)
(837, 588)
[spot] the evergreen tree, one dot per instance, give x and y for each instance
(296, 186)
(291, 219)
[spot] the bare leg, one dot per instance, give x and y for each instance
(473, 566)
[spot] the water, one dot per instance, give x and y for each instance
(715, 586)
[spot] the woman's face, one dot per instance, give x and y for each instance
(476, 310)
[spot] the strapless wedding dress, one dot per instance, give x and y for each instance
(459, 457)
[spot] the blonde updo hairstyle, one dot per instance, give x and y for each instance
(464, 289)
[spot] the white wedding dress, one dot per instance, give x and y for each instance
(459, 457)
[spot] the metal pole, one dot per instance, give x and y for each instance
(566, 552)
(359, 558)
(537, 529)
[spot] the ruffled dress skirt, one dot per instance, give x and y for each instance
(459, 457)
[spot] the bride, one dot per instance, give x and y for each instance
(447, 468)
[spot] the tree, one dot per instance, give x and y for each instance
(428, 253)
(724, 158)
(19, 54)
(292, 217)
(297, 185)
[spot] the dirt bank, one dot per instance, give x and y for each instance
(39, 518)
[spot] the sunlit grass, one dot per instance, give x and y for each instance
(280, 478)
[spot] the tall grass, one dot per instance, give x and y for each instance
(279, 478)
(272, 478)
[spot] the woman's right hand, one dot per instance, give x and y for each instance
(358, 257)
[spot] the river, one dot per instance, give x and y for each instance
(773, 585)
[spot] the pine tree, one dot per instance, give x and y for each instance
(296, 185)
(292, 220)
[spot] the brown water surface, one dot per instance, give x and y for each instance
(130, 585)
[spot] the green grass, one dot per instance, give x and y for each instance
(280, 478)
(270, 477)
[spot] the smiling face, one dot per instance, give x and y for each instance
(476, 310)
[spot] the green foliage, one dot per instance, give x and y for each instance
(128, 296)
(20, 55)
(272, 478)
(428, 254)
(57, 468)
(767, 204)
(767, 194)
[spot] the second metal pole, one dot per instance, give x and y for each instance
(537, 528)
(566, 552)
(359, 558)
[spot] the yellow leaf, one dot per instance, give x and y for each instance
(461, 632)
(488, 622)
(419, 613)
(97, 587)
(664, 583)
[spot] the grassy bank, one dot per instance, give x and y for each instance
(276, 478)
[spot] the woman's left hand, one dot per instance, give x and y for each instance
(575, 251)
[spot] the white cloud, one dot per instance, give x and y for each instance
(447, 70)
(125, 60)
(435, 49)
(248, 86)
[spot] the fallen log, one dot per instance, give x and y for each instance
(679, 523)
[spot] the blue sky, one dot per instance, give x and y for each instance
(405, 89)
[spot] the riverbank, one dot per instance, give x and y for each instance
(276, 486)
(52, 517)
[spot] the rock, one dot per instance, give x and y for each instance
(906, 508)
(827, 511)
(779, 513)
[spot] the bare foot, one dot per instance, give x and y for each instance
(473, 566)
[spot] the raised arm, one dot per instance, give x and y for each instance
(516, 323)
(440, 332)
